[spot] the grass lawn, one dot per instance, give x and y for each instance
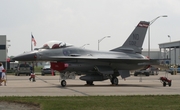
(149, 102)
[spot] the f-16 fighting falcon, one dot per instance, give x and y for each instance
(90, 64)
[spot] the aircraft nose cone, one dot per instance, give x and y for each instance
(25, 57)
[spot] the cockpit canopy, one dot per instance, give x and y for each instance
(55, 44)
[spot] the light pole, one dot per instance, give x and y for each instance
(151, 22)
(7, 46)
(169, 38)
(84, 45)
(102, 39)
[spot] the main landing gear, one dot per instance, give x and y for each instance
(89, 83)
(114, 81)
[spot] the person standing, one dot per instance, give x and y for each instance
(32, 74)
(3, 77)
(1, 68)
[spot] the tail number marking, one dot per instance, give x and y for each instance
(132, 43)
(135, 36)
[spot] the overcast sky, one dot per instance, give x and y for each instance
(85, 21)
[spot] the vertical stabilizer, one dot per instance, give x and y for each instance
(135, 40)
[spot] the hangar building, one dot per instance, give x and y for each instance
(3, 53)
(171, 51)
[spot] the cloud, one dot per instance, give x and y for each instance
(85, 21)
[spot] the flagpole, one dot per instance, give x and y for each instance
(31, 43)
(32, 50)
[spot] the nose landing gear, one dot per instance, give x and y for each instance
(63, 83)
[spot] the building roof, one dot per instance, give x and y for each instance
(175, 44)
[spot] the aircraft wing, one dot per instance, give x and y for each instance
(95, 59)
(145, 62)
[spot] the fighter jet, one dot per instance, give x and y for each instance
(94, 65)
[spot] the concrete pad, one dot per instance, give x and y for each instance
(50, 86)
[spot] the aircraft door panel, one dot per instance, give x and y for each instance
(104, 69)
(39, 56)
(69, 52)
(124, 73)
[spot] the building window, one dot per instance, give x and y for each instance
(2, 47)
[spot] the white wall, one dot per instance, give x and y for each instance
(153, 54)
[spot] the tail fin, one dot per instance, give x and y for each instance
(135, 40)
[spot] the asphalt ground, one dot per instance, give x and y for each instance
(50, 86)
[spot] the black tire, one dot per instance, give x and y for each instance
(89, 82)
(164, 84)
(42, 74)
(147, 73)
(169, 83)
(135, 74)
(18, 74)
(34, 80)
(15, 73)
(115, 81)
(63, 83)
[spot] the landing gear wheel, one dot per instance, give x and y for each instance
(147, 73)
(164, 84)
(135, 74)
(115, 81)
(63, 83)
(89, 82)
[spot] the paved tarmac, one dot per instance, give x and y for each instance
(50, 86)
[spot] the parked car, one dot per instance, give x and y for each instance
(22, 69)
(149, 71)
(47, 70)
(172, 70)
